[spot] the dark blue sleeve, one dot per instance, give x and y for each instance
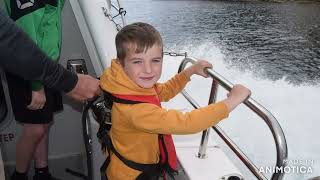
(19, 55)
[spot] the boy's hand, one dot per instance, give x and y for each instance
(200, 66)
(236, 96)
(239, 92)
(38, 100)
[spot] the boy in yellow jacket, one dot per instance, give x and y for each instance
(136, 127)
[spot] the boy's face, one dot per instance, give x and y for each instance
(144, 68)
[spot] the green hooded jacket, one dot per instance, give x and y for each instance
(41, 20)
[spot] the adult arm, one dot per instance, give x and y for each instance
(19, 55)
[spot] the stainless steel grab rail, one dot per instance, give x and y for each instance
(269, 119)
(107, 12)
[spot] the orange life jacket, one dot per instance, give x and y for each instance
(168, 158)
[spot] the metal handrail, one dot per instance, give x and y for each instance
(122, 15)
(269, 119)
(119, 9)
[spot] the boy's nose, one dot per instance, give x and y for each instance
(147, 68)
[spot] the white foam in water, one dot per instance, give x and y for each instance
(295, 107)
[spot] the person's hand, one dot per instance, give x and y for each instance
(38, 100)
(200, 66)
(237, 95)
(239, 92)
(86, 88)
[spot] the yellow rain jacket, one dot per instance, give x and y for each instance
(135, 127)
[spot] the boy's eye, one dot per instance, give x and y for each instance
(136, 62)
(156, 60)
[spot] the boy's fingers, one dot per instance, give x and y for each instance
(206, 71)
(249, 95)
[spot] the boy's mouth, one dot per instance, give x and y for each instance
(146, 78)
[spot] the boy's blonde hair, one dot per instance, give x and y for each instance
(137, 37)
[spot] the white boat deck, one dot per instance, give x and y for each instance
(213, 167)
